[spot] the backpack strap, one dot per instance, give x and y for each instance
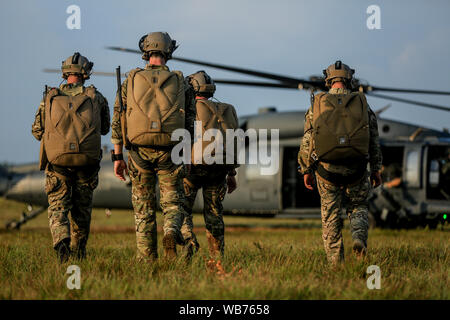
(315, 108)
(221, 109)
(212, 107)
(51, 93)
(123, 117)
(316, 102)
(179, 75)
(91, 92)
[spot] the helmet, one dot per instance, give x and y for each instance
(338, 72)
(77, 64)
(202, 83)
(157, 42)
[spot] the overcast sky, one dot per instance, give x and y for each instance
(295, 38)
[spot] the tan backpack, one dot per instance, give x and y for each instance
(72, 128)
(341, 127)
(214, 115)
(155, 106)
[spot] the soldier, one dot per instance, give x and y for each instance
(157, 101)
(212, 178)
(340, 137)
(386, 200)
(69, 123)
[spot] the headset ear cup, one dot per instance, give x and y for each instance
(141, 42)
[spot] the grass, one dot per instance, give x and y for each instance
(265, 259)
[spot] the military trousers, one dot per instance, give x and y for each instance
(158, 168)
(70, 190)
(333, 199)
(212, 181)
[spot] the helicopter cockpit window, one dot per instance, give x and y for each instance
(413, 168)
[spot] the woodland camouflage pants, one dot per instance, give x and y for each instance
(333, 198)
(170, 178)
(213, 182)
(70, 190)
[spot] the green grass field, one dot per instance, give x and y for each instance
(265, 259)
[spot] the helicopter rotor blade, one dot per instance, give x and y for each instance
(292, 84)
(266, 75)
(418, 103)
(220, 81)
(383, 109)
(421, 91)
(124, 49)
(258, 84)
(97, 73)
(306, 84)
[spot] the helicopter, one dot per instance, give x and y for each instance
(420, 152)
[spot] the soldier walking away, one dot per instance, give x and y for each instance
(69, 123)
(213, 178)
(340, 138)
(155, 102)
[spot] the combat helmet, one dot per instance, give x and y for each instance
(202, 83)
(77, 64)
(157, 42)
(338, 71)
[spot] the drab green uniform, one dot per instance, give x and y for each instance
(333, 196)
(70, 189)
(212, 180)
(161, 168)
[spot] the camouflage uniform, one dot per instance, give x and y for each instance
(70, 189)
(158, 166)
(334, 197)
(212, 179)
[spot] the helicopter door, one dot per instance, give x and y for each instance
(414, 193)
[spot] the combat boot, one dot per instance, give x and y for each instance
(78, 248)
(80, 253)
(359, 248)
(191, 246)
(215, 246)
(63, 250)
(170, 245)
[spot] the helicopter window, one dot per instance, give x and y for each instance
(386, 128)
(413, 168)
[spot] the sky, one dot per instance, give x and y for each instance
(292, 38)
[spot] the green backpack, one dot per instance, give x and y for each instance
(214, 115)
(72, 128)
(341, 128)
(155, 102)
